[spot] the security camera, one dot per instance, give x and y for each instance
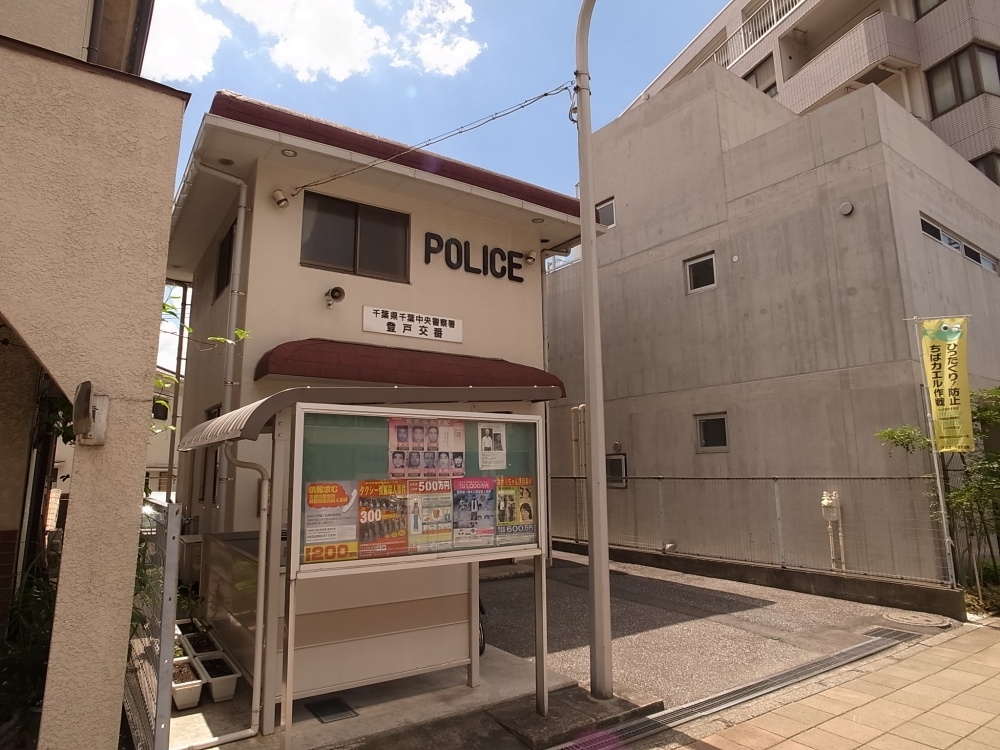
(334, 295)
(279, 199)
(531, 257)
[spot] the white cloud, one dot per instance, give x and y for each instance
(183, 41)
(330, 37)
(315, 37)
(436, 33)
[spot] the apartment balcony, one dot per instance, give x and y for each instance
(755, 28)
(870, 52)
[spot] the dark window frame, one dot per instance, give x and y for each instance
(921, 13)
(357, 270)
(701, 446)
(616, 481)
(224, 261)
(957, 245)
(688, 281)
(951, 65)
(771, 87)
(614, 212)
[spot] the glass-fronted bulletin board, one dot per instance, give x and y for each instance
(380, 486)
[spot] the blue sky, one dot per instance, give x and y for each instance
(411, 70)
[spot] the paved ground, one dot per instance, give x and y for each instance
(676, 636)
(943, 692)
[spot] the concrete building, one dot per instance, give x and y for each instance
(937, 58)
(88, 159)
(756, 280)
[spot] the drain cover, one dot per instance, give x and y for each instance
(331, 709)
(919, 619)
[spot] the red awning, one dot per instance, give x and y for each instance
(343, 360)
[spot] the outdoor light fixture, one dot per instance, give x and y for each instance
(538, 220)
(279, 199)
(289, 152)
(531, 257)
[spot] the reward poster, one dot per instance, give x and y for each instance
(516, 509)
(492, 446)
(330, 522)
(429, 516)
(381, 518)
(474, 512)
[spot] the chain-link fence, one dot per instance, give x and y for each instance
(148, 673)
(886, 527)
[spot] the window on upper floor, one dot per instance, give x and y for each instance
(354, 238)
(224, 261)
(713, 436)
(973, 71)
(989, 165)
(923, 7)
(763, 78)
(606, 212)
(949, 240)
(700, 273)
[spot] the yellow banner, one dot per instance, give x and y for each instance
(943, 350)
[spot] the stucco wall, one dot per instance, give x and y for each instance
(89, 159)
(20, 19)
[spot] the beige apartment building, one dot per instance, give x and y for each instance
(89, 154)
(937, 58)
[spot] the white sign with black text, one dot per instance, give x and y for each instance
(414, 325)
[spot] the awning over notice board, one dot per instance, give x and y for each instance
(366, 363)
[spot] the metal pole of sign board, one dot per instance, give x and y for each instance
(935, 455)
(601, 678)
(292, 563)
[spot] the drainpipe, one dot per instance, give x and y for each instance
(94, 43)
(177, 392)
(258, 636)
(901, 72)
(229, 367)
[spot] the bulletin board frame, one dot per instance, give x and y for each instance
(422, 559)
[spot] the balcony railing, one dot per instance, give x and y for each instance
(753, 29)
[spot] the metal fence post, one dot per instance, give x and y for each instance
(777, 518)
(663, 524)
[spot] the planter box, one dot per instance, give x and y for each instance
(202, 644)
(180, 649)
(187, 626)
(187, 693)
(221, 686)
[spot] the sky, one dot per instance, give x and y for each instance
(412, 70)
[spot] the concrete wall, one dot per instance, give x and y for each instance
(84, 248)
(803, 342)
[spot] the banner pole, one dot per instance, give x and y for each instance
(935, 455)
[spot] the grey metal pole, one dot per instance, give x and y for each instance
(601, 679)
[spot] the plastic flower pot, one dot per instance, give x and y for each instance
(187, 627)
(222, 676)
(202, 644)
(188, 680)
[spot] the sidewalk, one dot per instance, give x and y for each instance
(942, 692)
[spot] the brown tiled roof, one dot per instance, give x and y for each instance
(252, 112)
(343, 360)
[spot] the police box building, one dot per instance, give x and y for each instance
(321, 257)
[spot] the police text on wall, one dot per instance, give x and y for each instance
(495, 261)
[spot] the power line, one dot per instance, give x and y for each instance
(568, 86)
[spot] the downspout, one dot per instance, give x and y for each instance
(94, 43)
(173, 415)
(258, 636)
(234, 297)
(901, 72)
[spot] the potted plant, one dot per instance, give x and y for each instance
(180, 651)
(187, 626)
(202, 644)
(222, 676)
(188, 680)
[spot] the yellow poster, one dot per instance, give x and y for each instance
(943, 350)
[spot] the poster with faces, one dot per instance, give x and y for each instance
(424, 448)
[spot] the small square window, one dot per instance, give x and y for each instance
(700, 273)
(617, 470)
(606, 213)
(930, 230)
(712, 433)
